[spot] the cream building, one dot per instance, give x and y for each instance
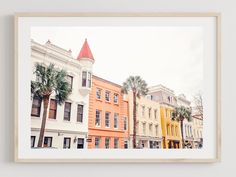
(67, 125)
(149, 134)
(197, 129)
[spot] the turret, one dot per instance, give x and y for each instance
(86, 60)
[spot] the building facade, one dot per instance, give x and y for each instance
(187, 125)
(148, 126)
(108, 116)
(67, 124)
(171, 130)
(197, 130)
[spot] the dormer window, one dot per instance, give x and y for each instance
(86, 79)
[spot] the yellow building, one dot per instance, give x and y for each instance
(171, 130)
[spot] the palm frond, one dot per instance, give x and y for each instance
(135, 84)
(181, 113)
(48, 80)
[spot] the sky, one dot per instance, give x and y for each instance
(171, 56)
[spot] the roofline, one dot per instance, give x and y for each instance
(160, 87)
(107, 81)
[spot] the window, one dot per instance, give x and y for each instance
(166, 113)
(115, 98)
(149, 112)
(125, 123)
(151, 97)
(80, 110)
(70, 81)
(97, 142)
(168, 129)
(172, 130)
(89, 79)
(170, 99)
(157, 145)
(176, 131)
(67, 111)
(53, 109)
(143, 111)
(66, 144)
(98, 118)
(156, 127)
(126, 145)
(32, 141)
(191, 133)
(47, 142)
(155, 114)
(107, 96)
(107, 143)
(150, 129)
(107, 119)
(144, 128)
(36, 107)
(98, 93)
(84, 78)
(151, 144)
(116, 120)
(116, 143)
(80, 143)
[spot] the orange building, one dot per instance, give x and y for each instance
(108, 123)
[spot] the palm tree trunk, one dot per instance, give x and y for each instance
(135, 120)
(182, 132)
(43, 124)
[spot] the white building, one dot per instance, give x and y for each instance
(66, 125)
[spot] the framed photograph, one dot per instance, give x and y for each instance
(117, 87)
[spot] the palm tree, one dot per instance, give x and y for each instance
(138, 86)
(49, 80)
(180, 114)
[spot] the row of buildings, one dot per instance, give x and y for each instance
(98, 115)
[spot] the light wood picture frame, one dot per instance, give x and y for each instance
(88, 132)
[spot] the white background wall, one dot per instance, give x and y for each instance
(10, 169)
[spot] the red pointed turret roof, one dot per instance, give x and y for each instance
(85, 51)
